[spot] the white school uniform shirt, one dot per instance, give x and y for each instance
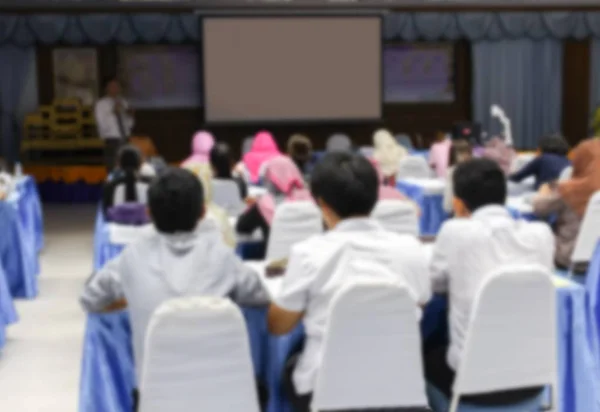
(160, 267)
(312, 279)
(466, 251)
(106, 120)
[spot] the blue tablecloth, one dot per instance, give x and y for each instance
(592, 286)
(30, 211)
(8, 313)
(432, 207)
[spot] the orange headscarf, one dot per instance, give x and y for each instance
(585, 180)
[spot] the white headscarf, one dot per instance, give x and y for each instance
(388, 152)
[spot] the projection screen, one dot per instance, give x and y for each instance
(278, 69)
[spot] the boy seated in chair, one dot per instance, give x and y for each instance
(346, 189)
(185, 257)
(482, 237)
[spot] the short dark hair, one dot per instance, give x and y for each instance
(176, 200)
(554, 144)
(109, 79)
(347, 182)
(479, 182)
(129, 158)
(459, 147)
(220, 160)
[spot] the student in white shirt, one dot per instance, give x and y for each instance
(114, 119)
(482, 238)
(183, 258)
(345, 187)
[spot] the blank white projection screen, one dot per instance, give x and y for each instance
(292, 68)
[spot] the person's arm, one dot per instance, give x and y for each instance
(530, 169)
(250, 220)
(439, 267)
(288, 307)
(249, 288)
(104, 291)
(547, 202)
(416, 271)
(104, 116)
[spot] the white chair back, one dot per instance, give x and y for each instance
(511, 346)
(386, 368)
(521, 160)
(197, 356)
(399, 216)
(293, 222)
(226, 194)
(414, 166)
(589, 231)
(566, 173)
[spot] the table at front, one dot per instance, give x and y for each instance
(108, 372)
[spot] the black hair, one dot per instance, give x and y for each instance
(130, 160)
(479, 182)
(176, 200)
(459, 147)
(348, 183)
(300, 150)
(220, 160)
(109, 79)
(554, 144)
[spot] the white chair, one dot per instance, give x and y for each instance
(521, 160)
(197, 357)
(414, 166)
(589, 232)
(509, 346)
(566, 173)
(226, 194)
(371, 350)
(399, 216)
(293, 222)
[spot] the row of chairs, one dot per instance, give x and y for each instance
(507, 347)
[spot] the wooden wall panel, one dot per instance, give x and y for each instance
(576, 90)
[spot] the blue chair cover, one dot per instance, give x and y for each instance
(432, 207)
(17, 256)
(30, 210)
(8, 313)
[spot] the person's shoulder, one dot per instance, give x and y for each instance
(460, 227)
(539, 230)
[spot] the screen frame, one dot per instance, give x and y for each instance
(358, 14)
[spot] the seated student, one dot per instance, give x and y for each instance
(483, 237)
(180, 260)
(345, 187)
(460, 152)
(548, 165)
(439, 154)
(152, 163)
(284, 183)
(222, 165)
(202, 144)
(388, 153)
(213, 211)
(299, 149)
(264, 148)
(568, 201)
(127, 185)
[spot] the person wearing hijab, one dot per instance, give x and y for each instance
(264, 148)
(439, 155)
(127, 186)
(202, 144)
(299, 148)
(284, 183)
(497, 150)
(388, 154)
(568, 201)
(214, 212)
(222, 163)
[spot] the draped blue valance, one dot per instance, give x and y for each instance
(96, 28)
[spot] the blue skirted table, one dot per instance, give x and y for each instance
(429, 195)
(8, 313)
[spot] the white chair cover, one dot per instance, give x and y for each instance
(339, 143)
(511, 346)
(293, 222)
(119, 234)
(414, 166)
(226, 194)
(399, 216)
(589, 231)
(372, 349)
(197, 358)
(566, 173)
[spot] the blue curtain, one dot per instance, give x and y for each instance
(525, 78)
(16, 67)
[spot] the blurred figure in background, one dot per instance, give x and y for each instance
(264, 148)
(499, 151)
(440, 153)
(460, 151)
(548, 166)
(388, 154)
(152, 163)
(221, 161)
(202, 144)
(300, 148)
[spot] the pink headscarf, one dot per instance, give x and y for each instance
(202, 144)
(283, 173)
(263, 148)
(439, 156)
(386, 192)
